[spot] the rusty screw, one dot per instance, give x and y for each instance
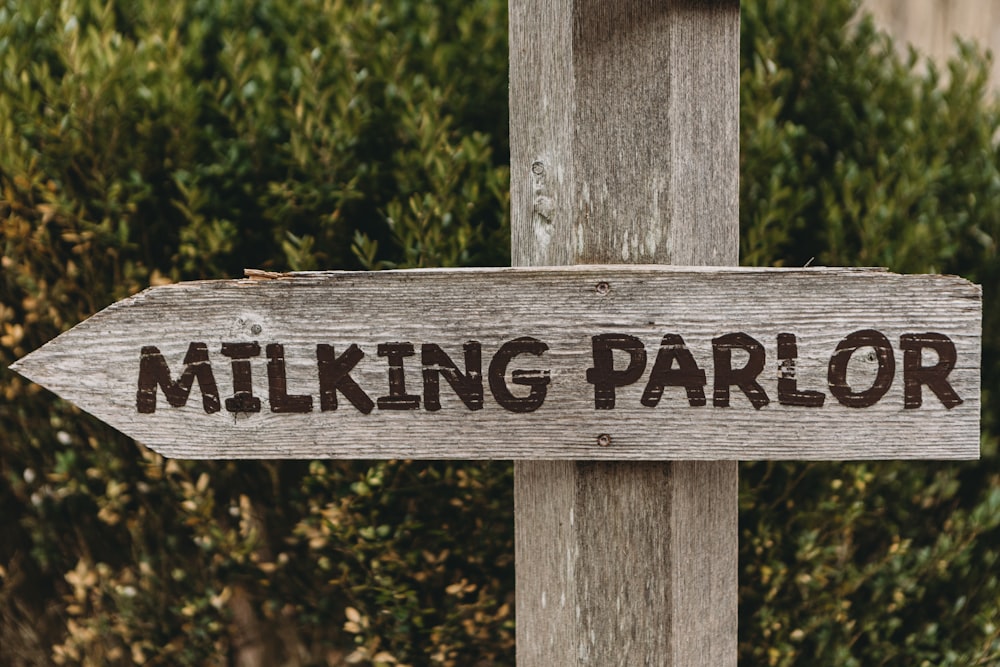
(604, 440)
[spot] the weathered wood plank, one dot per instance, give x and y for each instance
(97, 364)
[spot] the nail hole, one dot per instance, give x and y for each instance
(603, 288)
(604, 440)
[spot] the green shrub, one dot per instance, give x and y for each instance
(849, 158)
(152, 142)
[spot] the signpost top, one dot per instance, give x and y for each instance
(582, 362)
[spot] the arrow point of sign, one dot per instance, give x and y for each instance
(28, 365)
(47, 366)
(76, 364)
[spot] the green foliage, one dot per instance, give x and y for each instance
(850, 158)
(149, 142)
(143, 143)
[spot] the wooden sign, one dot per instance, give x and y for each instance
(584, 362)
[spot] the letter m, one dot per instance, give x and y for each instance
(153, 373)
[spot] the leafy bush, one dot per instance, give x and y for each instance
(152, 142)
(849, 158)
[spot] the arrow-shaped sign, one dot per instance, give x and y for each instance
(585, 362)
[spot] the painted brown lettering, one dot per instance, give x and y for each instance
(468, 385)
(788, 385)
(687, 374)
(605, 378)
(397, 399)
(746, 377)
(277, 384)
(243, 399)
(335, 375)
(837, 375)
(915, 374)
(538, 381)
(153, 373)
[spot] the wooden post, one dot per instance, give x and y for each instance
(625, 148)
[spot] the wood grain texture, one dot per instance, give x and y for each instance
(624, 148)
(624, 132)
(620, 576)
(96, 364)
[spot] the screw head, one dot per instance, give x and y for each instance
(602, 287)
(604, 440)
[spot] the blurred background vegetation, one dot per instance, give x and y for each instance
(143, 143)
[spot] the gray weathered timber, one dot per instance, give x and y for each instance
(625, 148)
(624, 132)
(631, 575)
(97, 364)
